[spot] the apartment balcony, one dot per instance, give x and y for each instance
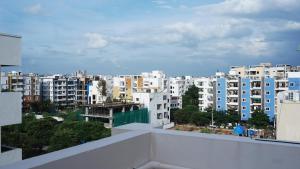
(233, 103)
(11, 106)
(137, 146)
(232, 88)
(10, 155)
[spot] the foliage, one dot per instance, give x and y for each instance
(43, 106)
(191, 97)
(35, 136)
(73, 133)
(259, 120)
(182, 117)
(200, 119)
(101, 87)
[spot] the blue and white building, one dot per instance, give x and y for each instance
(254, 88)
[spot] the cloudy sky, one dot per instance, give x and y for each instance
(130, 36)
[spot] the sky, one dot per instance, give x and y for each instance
(180, 37)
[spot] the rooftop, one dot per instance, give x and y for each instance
(138, 146)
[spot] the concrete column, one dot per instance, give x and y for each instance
(131, 108)
(86, 112)
(110, 117)
(123, 109)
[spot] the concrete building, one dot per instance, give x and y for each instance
(10, 102)
(116, 113)
(177, 89)
(138, 146)
(253, 88)
(206, 92)
(59, 89)
(158, 105)
(95, 94)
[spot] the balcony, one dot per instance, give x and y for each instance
(11, 106)
(142, 147)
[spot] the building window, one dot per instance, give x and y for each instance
(219, 84)
(244, 108)
(158, 106)
(219, 91)
(291, 84)
(244, 84)
(267, 84)
(219, 98)
(159, 115)
(244, 100)
(137, 99)
(219, 107)
(268, 100)
(166, 115)
(267, 92)
(244, 92)
(267, 109)
(165, 97)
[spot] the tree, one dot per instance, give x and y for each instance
(259, 119)
(101, 87)
(191, 97)
(73, 133)
(200, 119)
(182, 117)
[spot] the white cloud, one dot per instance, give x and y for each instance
(34, 9)
(95, 40)
(249, 6)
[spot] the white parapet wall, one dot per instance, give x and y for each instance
(140, 146)
(11, 156)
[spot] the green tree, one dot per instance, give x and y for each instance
(182, 117)
(200, 119)
(77, 132)
(191, 97)
(259, 120)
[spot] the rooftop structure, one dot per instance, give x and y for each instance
(138, 146)
(10, 102)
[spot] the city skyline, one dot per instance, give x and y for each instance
(127, 37)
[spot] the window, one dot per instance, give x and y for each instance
(244, 84)
(219, 107)
(165, 105)
(158, 106)
(267, 84)
(166, 115)
(244, 100)
(137, 99)
(219, 98)
(244, 92)
(165, 97)
(291, 84)
(267, 92)
(219, 84)
(267, 109)
(219, 91)
(159, 115)
(244, 108)
(268, 101)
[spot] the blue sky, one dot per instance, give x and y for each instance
(180, 37)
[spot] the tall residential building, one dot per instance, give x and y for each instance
(177, 89)
(206, 92)
(60, 90)
(253, 88)
(10, 102)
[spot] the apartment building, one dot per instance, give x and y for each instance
(10, 102)
(95, 87)
(59, 89)
(253, 88)
(206, 92)
(158, 105)
(125, 85)
(177, 89)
